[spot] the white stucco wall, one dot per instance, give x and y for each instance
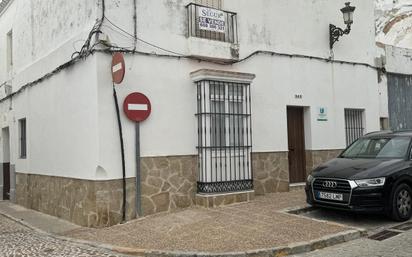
(287, 26)
(72, 127)
(172, 127)
(62, 130)
(281, 26)
(45, 34)
(398, 60)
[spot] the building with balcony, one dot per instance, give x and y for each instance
(247, 97)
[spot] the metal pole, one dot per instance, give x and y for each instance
(138, 182)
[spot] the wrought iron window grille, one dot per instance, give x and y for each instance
(354, 126)
(224, 137)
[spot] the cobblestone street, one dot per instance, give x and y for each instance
(19, 241)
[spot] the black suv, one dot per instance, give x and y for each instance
(374, 174)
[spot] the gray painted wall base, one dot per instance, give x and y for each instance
(1, 181)
(13, 183)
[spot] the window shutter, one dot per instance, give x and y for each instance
(211, 3)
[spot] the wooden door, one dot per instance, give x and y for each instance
(6, 181)
(296, 141)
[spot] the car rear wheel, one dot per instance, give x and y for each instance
(402, 203)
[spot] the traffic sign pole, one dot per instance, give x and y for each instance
(138, 177)
(137, 108)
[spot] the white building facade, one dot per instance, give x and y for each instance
(243, 104)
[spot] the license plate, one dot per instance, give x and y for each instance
(330, 196)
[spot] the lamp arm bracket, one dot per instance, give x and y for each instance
(335, 33)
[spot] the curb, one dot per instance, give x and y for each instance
(105, 247)
(295, 248)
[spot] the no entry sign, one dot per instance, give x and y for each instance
(137, 107)
(118, 68)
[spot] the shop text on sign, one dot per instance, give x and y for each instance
(212, 20)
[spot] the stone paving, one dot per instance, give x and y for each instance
(19, 241)
(241, 227)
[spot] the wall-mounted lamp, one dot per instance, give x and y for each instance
(334, 32)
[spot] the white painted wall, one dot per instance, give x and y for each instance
(171, 129)
(398, 60)
(289, 26)
(71, 117)
(45, 34)
(62, 130)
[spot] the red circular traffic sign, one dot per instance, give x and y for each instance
(118, 68)
(137, 107)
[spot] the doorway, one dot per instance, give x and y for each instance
(296, 144)
(6, 163)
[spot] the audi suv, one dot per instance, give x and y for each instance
(374, 174)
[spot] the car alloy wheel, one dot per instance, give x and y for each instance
(403, 202)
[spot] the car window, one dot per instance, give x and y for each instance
(396, 147)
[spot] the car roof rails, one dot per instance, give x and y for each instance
(382, 132)
(403, 131)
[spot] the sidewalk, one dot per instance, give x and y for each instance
(241, 228)
(259, 224)
(44, 222)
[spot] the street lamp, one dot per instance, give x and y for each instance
(334, 32)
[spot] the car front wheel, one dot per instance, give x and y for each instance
(402, 203)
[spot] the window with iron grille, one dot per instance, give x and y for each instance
(224, 136)
(353, 125)
(223, 28)
(22, 138)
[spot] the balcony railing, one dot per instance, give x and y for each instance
(212, 24)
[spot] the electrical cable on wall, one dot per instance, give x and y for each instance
(119, 123)
(88, 49)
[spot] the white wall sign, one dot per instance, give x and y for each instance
(212, 20)
(322, 114)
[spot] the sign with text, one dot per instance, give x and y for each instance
(212, 20)
(322, 114)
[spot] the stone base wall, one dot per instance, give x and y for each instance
(211, 201)
(167, 183)
(83, 202)
(270, 172)
(314, 158)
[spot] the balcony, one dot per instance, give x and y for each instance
(212, 33)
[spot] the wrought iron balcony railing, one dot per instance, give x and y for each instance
(213, 24)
